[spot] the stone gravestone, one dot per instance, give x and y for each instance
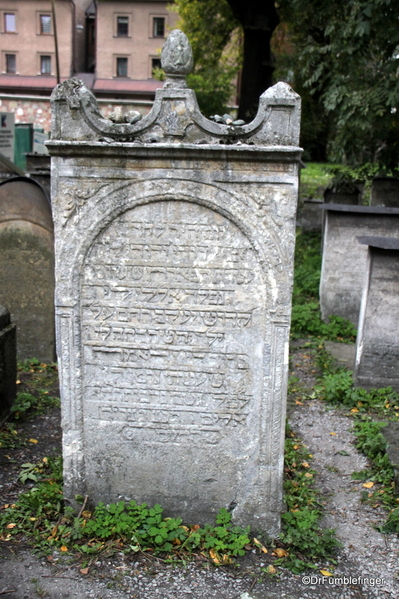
(344, 259)
(385, 192)
(377, 347)
(8, 364)
(27, 266)
(174, 261)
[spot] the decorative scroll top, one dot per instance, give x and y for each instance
(175, 116)
(177, 59)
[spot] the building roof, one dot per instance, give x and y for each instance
(127, 85)
(39, 82)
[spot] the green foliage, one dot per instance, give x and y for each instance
(307, 542)
(36, 399)
(10, 438)
(40, 515)
(346, 55)
(372, 443)
(27, 405)
(392, 523)
(314, 180)
(306, 319)
(214, 36)
(337, 387)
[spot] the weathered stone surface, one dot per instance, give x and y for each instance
(174, 273)
(344, 258)
(385, 192)
(377, 347)
(27, 266)
(309, 216)
(8, 363)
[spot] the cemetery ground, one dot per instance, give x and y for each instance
(327, 479)
(320, 450)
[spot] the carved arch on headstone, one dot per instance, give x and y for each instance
(204, 196)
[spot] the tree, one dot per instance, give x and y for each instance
(258, 19)
(216, 31)
(348, 57)
(214, 35)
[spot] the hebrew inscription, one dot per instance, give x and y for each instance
(172, 321)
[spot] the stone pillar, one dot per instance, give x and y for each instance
(174, 264)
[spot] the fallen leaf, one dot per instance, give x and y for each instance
(17, 382)
(260, 545)
(176, 542)
(305, 464)
(214, 556)
(84, 571)
(86, 514)
(308, 475)
(296, 446)
(354, 410)
(12, 525)
(325, 573)
(368, 485)
(298, 403)
(280, 552)
(271, 569)
(333, 433)
(64, 548)
(33, 441)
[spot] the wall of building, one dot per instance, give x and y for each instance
(139, 46)
(80, 34)
(37, 110)
(28, 44)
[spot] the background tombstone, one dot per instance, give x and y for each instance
(8, 364)
(377, 347)
(344, 259)
(27, 266)
(385, 192)
(174, 263)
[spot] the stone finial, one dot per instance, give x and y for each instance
(177, 59)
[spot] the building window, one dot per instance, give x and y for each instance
(45, 65)
(121, 66)
(155, 64)
(11, 63)
(45, 24)
(122, 26)
(10, 24)
(158, 27)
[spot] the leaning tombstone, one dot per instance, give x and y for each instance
(344, 259)
(27, 266)
(377, 347)
(8, 364)
(174, 262)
